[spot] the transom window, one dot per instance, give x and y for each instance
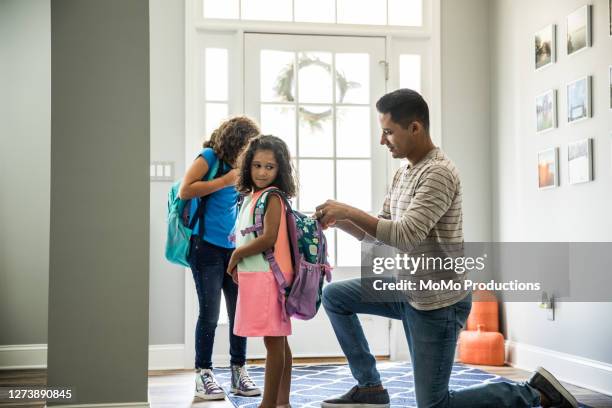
(405, 13)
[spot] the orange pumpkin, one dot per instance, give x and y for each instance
(481, 347)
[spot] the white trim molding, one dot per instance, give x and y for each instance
(583, 372)
(23, 356)
(34, 356)
(113, 405)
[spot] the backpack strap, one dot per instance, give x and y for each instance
(258, 214)
(199, 213)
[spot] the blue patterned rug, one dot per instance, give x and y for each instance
(311, 384)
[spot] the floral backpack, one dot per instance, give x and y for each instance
(308, 253)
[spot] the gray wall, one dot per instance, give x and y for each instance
(99, 252)
(570, 212)
(466, 108)
(25, 138)
(167, 283)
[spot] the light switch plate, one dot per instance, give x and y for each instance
(162, 171)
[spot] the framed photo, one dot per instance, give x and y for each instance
(580, 161)
(579, 99)
(548, 168)
(546, 46)
(610, 15)
(546, 111)
(579, 30)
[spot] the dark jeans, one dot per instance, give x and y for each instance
(208, 264)
(432, 338)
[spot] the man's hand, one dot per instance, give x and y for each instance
(332, 211)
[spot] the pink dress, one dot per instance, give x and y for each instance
(258, 310)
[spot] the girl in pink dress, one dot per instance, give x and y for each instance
(265, 165)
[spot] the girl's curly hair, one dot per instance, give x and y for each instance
(285, 178)
(231, 137)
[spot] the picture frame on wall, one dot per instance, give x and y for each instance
(546, 46)
(579, 100)
(546, 111)
(578, 25)
(580, 161)
(610, 16)
(548, 168)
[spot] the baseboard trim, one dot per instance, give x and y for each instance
(23, 357)
(113, 405)
(34, 356)
(583, 372)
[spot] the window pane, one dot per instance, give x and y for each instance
(354, 184)
(221, 8)
(316, 185)
(316, 137)
(277, 79)
(314, 77)
(362, 12)
(331, 246)
(353, 131)
(279, 120)
(352, 78)
(410, 72)
(349, 250)
(215, 114)
(216, 74)
(406, 12)
(315, 11)
(273, 10)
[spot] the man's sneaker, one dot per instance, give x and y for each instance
(207, 387)
(360, 398)
(242, 384)
(554, 393)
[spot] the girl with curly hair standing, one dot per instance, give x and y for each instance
(211, 250)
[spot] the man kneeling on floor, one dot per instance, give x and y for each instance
(423, 207)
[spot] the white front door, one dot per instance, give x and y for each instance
(318, 93)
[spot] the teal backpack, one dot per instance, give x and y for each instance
(180, 228)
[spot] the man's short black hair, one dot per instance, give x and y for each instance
(405, 106)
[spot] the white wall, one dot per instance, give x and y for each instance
(571, 212)
(167, 45)
(25, 154)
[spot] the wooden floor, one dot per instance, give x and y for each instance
(174, 389)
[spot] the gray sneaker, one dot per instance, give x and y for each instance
(359, 398)
(242, 384)
(555, 394)
(207, 387)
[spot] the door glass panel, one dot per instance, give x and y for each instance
(316, 185)
(215, 114)
(276, 85)
(314, 77)
(352, 78)
(216, 74)
(354, 183)
(316, 137)
(410, 72)
(353, 131)
(279, 120)
(349, 250)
